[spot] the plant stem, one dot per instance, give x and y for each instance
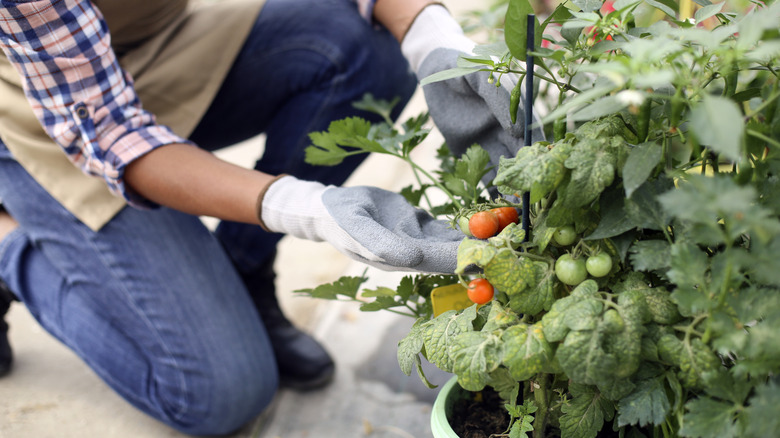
(540, 397)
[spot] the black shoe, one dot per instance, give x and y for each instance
(6, 355)
(303, 363)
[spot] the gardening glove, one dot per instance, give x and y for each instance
(368, 224)
(467, 109)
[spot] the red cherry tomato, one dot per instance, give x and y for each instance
(506, 216)
(480, 291)
(483, 224)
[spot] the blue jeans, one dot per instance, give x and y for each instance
(153, 302)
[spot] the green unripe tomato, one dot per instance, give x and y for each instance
(463, 224)
(565, 235)
(599, 265)
(569, 270)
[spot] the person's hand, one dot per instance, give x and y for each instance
(368, 224)
(467, 109)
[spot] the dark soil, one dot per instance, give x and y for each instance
(474, 418)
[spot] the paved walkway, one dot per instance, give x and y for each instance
(51, 393)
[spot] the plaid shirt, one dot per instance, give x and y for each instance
(77, 89)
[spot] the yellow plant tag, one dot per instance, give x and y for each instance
(450, 297)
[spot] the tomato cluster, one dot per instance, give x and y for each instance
(574, 270)
(486, 224)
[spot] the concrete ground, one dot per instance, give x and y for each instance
(51, 393)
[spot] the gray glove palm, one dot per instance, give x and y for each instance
(368, 224)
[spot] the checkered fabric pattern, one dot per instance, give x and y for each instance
(78, 91)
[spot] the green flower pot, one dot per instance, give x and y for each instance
(449, 393)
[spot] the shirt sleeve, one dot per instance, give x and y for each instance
(82, 97)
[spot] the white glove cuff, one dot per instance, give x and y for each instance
(433, 28)
(294, 207)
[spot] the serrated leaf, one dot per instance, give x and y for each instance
(640, 164)
(526, 351)
(650, 255)
(475, 355)
(346, 286)
(380, 303)
(584, 415)
(708, 418)
(647, 404)
(761, 413)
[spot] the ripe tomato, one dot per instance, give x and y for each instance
(565, 235)
(599, 265)
(480, 291)
(506, 216)
(569, 270)
(483, 224)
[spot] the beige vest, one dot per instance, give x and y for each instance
(178, 56)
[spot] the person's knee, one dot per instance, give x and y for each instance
(219, 403)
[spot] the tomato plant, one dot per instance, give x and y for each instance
(664, 323)
(480, 291)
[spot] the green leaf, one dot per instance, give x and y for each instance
(709, 418)
(409, 347)
(707, 11)
(439, 333)
(540, 296)
(526, 351)
(761, 413)
(593, 169)
(377, 106)
(583, 359)
(643, 208)
(448, 74)
(346, 286)
(668, 10)
(588, 5)
(599, 108)
(510, 273)
(614, 220)
(688, 265)
(534, 169)
(474, 252)
(717, 122)
(516, 27)
(647, 404)
(640, 164)
(584, 415)
(650, 255)
(381, 303)
(475, 355)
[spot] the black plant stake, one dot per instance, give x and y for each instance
(529, 111)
